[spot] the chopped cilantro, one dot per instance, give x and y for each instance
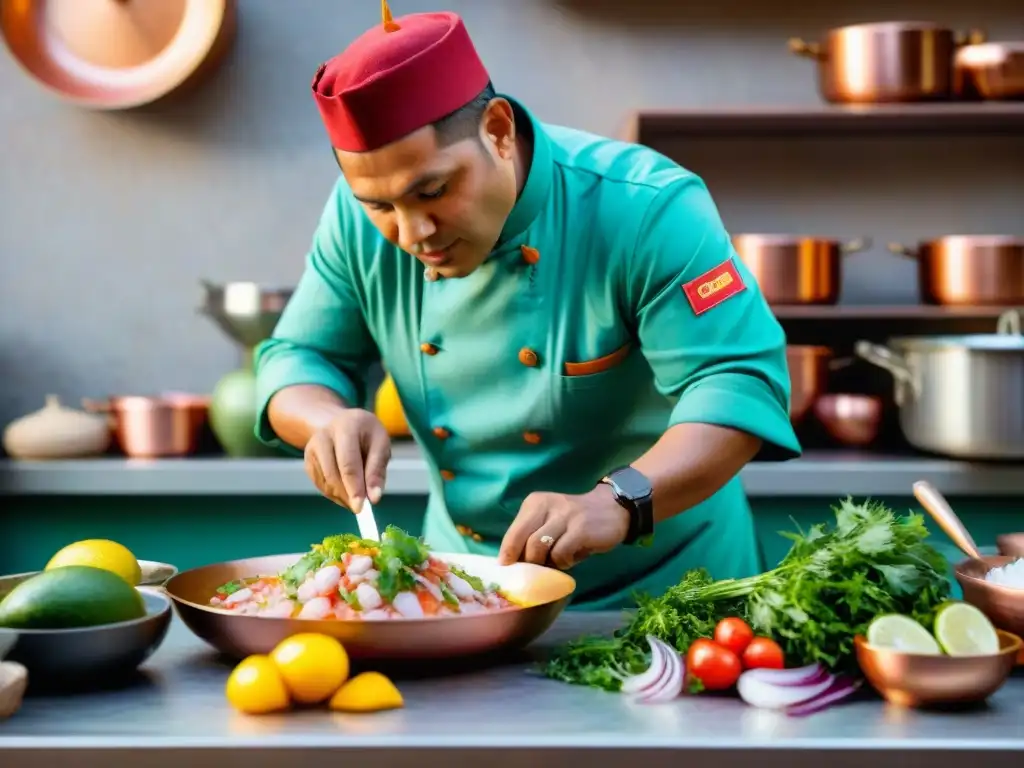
(474, 581)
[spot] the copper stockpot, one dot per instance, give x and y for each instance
(796, 269)
(890, 61)
(992, 71)
(969, 270)
(808, 376)
(155, 427)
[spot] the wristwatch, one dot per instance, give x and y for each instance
(634, 493)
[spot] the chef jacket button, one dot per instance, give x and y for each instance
(530, 255)
(447, 474)
(428, 349)
(528, 357)
(468, 532)
(430, 274)
(533, 438)
(441, 433)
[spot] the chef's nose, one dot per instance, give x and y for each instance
(413, 230)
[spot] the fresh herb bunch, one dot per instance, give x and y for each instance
(827, 589)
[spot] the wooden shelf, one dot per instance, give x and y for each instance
(653, 126)
(892, 312)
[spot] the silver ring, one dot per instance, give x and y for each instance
(546, 540)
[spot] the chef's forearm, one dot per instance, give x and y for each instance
(296, 412)
(690, 462)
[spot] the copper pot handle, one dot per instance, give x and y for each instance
(903, 250)
(1009, 323)
(800, 47)
(887, 360)
(855, 246)
(101, 406)
(971, 37)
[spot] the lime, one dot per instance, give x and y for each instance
(901, 633)
(963, 630)
(100, 553)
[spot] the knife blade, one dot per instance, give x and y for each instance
(366, 522)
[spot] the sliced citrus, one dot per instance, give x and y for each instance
(901, 633)
(367, 692)
(963, 630)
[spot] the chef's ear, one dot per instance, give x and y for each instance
(498, 127)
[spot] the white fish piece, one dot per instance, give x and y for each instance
(359, 564)
(307, 591)
(407, 604)
(460, 586)
(281, 610)
(368, 597)
(327, 579)
(317, 608)
(238, 597)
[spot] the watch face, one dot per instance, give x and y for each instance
(631, 483)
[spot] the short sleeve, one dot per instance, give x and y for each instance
(703, 324)
(322, 337)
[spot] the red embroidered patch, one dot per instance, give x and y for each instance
(713, 287)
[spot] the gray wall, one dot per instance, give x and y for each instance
(107, 221)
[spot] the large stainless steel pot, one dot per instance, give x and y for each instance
(961, 396)
(969, 270)
(794, 269)
(892, 61)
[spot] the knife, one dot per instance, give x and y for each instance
(366, 522)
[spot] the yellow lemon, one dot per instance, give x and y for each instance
(367, 692)
(100, 553)
(313, 666)
(388, 408)
(256, 687)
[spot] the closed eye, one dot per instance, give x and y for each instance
(433, 195)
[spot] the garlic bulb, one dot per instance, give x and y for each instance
(57, 432)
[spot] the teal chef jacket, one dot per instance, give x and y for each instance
(612, 307)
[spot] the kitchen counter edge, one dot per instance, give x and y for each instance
(816, 474)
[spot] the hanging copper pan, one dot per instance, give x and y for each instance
(117, 54)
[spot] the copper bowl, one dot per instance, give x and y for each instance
(850, 419)
(1004, 606)
(542, 594)
(808, 377)
(155, 427)
(922, 680)
(117, 54)
(993, 71)
(1010, 544)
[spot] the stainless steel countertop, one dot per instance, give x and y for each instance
(504, 715)
(822, 473)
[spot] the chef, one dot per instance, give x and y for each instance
(581, 356)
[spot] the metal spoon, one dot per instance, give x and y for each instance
(937, 506)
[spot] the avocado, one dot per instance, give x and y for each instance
(69, 597)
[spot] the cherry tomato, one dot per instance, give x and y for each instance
(763, 653)
(735, 634)
(714, 665)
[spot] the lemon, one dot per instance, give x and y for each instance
(368, 692)
(100, 553)
(255, 687)
(963, 630)
(312, 665)
(901, 633)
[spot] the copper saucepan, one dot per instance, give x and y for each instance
(969, 270)
(891, 61)
(542, 592)
(993, 71)
(153, 427)
(809, 368)
(118, 54)
(795, 269)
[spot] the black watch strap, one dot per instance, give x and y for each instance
(634, 493)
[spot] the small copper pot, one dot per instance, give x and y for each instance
(154, 427)
(850, 419)
(794, 269)
(969, 270)
(885, 62)
(993, 71)
(808, 376)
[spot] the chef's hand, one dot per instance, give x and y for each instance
(562, 530)
(348, 459)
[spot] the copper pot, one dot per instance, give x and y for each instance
(891, 61)
(794, 269)
(808, 377)
(990, 71)
(850, 419)
(154, 427)
(969, 270)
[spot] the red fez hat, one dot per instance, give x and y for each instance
(396, 78)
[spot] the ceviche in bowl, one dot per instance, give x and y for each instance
(389, 600)
(349, 578)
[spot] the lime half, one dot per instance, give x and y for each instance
(902, 633)
(963, 630)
